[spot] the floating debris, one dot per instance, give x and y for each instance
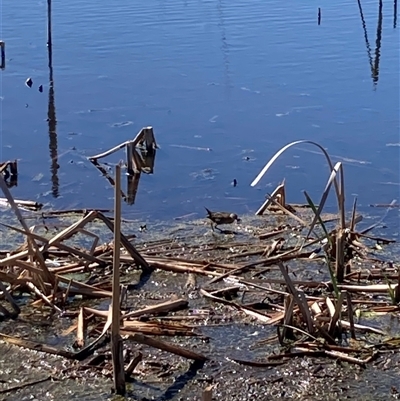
(40, 88)
(29, 82)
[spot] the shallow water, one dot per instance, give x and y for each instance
(242, 79)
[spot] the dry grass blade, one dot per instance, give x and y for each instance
(249, 311)
(283, 149)
(332, 178)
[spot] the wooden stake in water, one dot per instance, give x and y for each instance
(116, 340)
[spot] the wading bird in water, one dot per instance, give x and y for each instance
(218, 218)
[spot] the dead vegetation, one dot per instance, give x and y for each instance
(265, 280)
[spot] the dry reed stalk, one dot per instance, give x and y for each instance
(277, 192)
(346, 358)
(173, 267)
(127, 245)
(76, 287)
(46, 300)
(158, 328)
(248, 311)
(38, 347)
(378, 288)
(25, 384)
(139, 137)
(284, 148)
(164, 346)
(116, 340)
(271, 234)
(70, 231)
(167, 306)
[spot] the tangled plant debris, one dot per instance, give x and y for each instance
(309, 275)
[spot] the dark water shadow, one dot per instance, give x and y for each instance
(394, 14)
(373, 62)
(181, 381)
(143, 279)
(51, 111)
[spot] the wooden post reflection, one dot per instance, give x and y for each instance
(132, 187)
(51, 111)
(375, 68)
(394, 14)
(374, 63)
(224, 45)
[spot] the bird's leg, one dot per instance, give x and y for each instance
(212, 226)
(216, 226)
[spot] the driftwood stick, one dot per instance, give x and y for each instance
(167, 306)
(25, 384)
(164, 307)
(174, 349)
(36, 346)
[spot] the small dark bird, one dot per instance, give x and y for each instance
(219, 218)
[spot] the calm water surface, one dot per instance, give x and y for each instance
(241, 78)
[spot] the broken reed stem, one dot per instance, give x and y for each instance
(299, 299)
(336, 315)
(207, 394)
(134, 142)
(34, 249)
(133, 363)
(10, 299)
(340, 242)
(116, 340)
